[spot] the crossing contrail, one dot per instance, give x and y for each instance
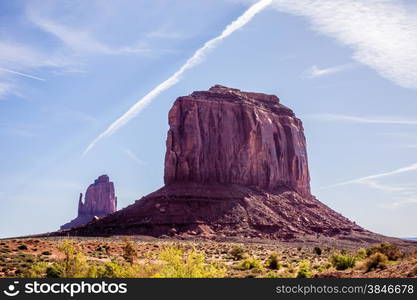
(191, 62)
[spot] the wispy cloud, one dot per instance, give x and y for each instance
(21, 74)
(399, 203)
(367, 119)
(368, 179)
(315, 71)
(404, 195)
(5, 89)
(20, 59)
(131, 155)
(80, 40)
(381, 33)
(197, 57)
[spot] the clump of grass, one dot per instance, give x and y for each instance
(375, 261)
(239, 253)
(251, 263)
(304, 269)
(273, 261)
(343, 261)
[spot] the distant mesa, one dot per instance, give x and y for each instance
(235, 167)
(100, 200)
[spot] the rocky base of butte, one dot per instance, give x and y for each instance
(235, 167)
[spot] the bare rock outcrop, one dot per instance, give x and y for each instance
(100, 200)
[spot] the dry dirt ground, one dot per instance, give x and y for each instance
(19, 255)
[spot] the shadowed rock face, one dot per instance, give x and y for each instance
(100, 200)
(224, 135)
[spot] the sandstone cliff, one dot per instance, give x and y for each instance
(100, 200)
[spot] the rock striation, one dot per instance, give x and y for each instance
(100, 200)
(235, 167)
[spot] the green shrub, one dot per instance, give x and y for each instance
(392, 252)
(273, 261)
(251, 263)
(129, 251)
(175, 264)
(361, 253)
(317, 250)
(53, 271)
(304, 270)
(376, 261)
(239, 253)
(343, 261)
(46, 253)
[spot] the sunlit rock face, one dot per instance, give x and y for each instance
(225, 135)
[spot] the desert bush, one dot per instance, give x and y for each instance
(174, 263)
(392, 252)
(317, 250)
(46, 253)
(129, 251)
(273, 261)
(361, 253)
(343, 261)
(251, 263)
(376, 261)
(22, 247)
(239, 253)
(74, 264)
(304, 269)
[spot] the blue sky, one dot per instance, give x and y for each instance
(69, 69)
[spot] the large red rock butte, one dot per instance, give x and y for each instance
(100, 200)
(224, 135)
(235, 167)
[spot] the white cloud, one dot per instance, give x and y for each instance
(400, 203)
(197, 57)
(20, 59)
(381, 33)
(369, 120)
(5, 89)
(406, 194)
(80, 40)
(315, 71)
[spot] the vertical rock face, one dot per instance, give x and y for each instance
(225, 135)
(100, 200)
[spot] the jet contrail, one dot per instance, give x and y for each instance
(21, 74)
(191, 62)
(409, 168)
